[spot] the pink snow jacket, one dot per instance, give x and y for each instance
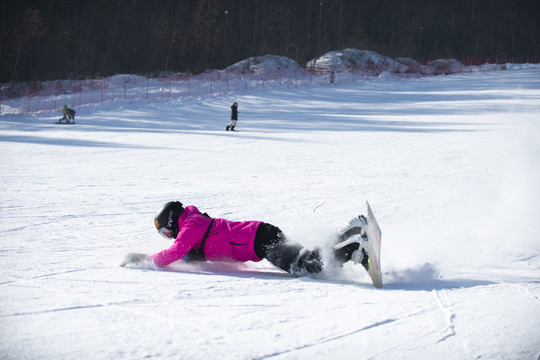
(227, 240)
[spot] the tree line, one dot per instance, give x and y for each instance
(57, 39)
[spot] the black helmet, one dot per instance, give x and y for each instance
(166, 220)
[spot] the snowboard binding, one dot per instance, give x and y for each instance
(353, 242)
(360, 242)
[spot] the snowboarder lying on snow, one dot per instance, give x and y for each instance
(199, 237)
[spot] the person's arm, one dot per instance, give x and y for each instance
(189, 236)
(176, 252)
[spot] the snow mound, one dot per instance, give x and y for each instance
(370, 62)
(488, 67)
(446, 66)
(414, 67)
(264, 64)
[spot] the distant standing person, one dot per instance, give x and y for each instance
(234, 117)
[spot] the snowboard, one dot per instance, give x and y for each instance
(374, 236)
(65, 123)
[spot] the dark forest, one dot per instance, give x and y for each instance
(57, 39)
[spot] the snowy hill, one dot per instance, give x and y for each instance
(371, 63)
(249, 75)
(450, 165)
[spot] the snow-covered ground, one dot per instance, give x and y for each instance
(450, 165)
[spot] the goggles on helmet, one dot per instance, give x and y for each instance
(166, 233)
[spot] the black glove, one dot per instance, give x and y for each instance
(133, 258)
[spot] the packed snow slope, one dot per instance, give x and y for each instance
(450, 166)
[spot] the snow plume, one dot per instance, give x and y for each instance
(483, 220)
(411, 269)
(420, 274)
(515, 224)
(411, 253)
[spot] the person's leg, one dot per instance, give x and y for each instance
(271, 244)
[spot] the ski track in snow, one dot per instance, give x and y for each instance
(333, 338)
(450, 165)
(449, 315)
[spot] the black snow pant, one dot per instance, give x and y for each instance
(271, 244)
